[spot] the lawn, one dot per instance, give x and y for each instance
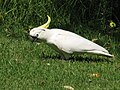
(32, 66)
(27, 65)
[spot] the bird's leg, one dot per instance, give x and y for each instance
(64, 56)
(62, 53)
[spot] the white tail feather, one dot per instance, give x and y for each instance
(101, 53)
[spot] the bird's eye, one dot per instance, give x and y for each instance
(37, 35)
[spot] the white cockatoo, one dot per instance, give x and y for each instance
(66, 42)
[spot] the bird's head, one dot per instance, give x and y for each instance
(36, 33)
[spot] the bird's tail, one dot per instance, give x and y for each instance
(101, 53)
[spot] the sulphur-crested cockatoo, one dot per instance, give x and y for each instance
(66, 42)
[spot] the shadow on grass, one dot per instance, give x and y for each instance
(80, 58)
(91, 59)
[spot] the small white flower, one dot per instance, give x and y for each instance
(48, 64)
(68, 88)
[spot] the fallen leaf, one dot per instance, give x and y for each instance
(95, 75)
(93, 40)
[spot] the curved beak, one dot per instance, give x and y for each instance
(33, 38)
(46, 25)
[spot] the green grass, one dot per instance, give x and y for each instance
(31, 66)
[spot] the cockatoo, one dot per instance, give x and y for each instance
(66, 42)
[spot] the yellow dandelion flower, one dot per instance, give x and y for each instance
(112, 24)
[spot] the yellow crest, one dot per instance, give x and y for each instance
(46, 25)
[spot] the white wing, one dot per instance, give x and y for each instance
(70, 42)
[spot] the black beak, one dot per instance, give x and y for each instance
(33, 38)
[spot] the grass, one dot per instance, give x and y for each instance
(32, 66)
(29, 66)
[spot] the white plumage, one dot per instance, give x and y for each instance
(66, 42)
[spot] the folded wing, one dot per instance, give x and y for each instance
(70, 43)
